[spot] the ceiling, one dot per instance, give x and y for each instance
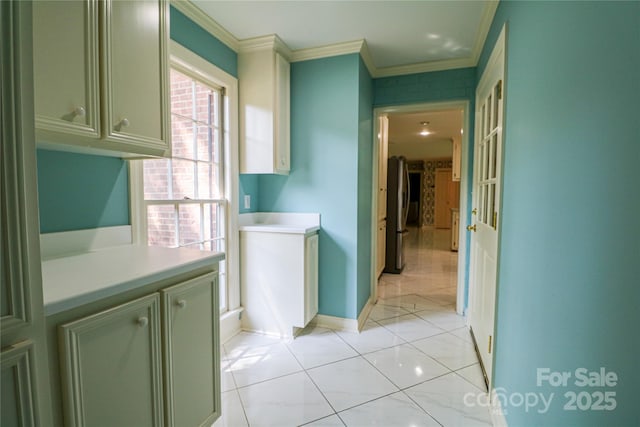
(410, 36)
(405, 138)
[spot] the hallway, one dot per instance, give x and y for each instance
(412, 365)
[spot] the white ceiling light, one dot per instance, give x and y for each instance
(425, 131)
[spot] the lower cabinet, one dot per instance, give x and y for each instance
(112, 361)
(279, 281)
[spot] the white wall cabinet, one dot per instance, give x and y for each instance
(279, 281)
(112, 361)
(101, 76)
(264, 92)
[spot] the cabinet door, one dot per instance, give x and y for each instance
(135, 85)
(111, 366)
(310, 277)
(65, 65)
(192, 352)
(282, 116)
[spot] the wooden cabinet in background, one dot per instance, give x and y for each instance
(447, 197)
(456, 168)
(455, 228)
(101, 76)
(264, 97)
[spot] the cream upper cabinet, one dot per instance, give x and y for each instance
(264, 91)
(66, 70)
(135, 90)
(101, 75)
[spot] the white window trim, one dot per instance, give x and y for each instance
(197, 66)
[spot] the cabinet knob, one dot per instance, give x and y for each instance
(122, 124)
(181, 303)
(143, 321)
(79, 112)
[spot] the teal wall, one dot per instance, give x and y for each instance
(79, 191)
(365, 182)
(325, 140)
(195, 38)
(249, 186)
(568, 294)
(437, 86)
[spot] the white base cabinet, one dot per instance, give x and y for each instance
(113, 366)
(279, 281)
(153, 361)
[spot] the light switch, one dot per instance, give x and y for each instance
(247, 201)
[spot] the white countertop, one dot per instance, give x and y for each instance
(277, 222)
(74, 280)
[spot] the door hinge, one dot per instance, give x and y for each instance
(490, 344)
(495, 220)
(499, 94)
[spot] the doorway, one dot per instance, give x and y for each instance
(414, 217)
(425, 182)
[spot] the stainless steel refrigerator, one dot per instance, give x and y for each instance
(397, 211)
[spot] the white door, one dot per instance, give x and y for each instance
(486, 205)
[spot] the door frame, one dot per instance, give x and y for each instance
(465, 195)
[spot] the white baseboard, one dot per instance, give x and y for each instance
(364, 314)
(230, 324)
(336, 323)
(497, 415)
(344, 324)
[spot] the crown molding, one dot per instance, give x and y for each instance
(360, 47)
(198, 16)
(271, 41)
(327, 51)
(425, 67)
(483, 29)
(365, 54)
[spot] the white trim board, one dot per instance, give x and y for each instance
(64, 243)
(196, 14)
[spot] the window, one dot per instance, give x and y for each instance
(183, 201)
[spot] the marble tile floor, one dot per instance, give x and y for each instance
(412, 364)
